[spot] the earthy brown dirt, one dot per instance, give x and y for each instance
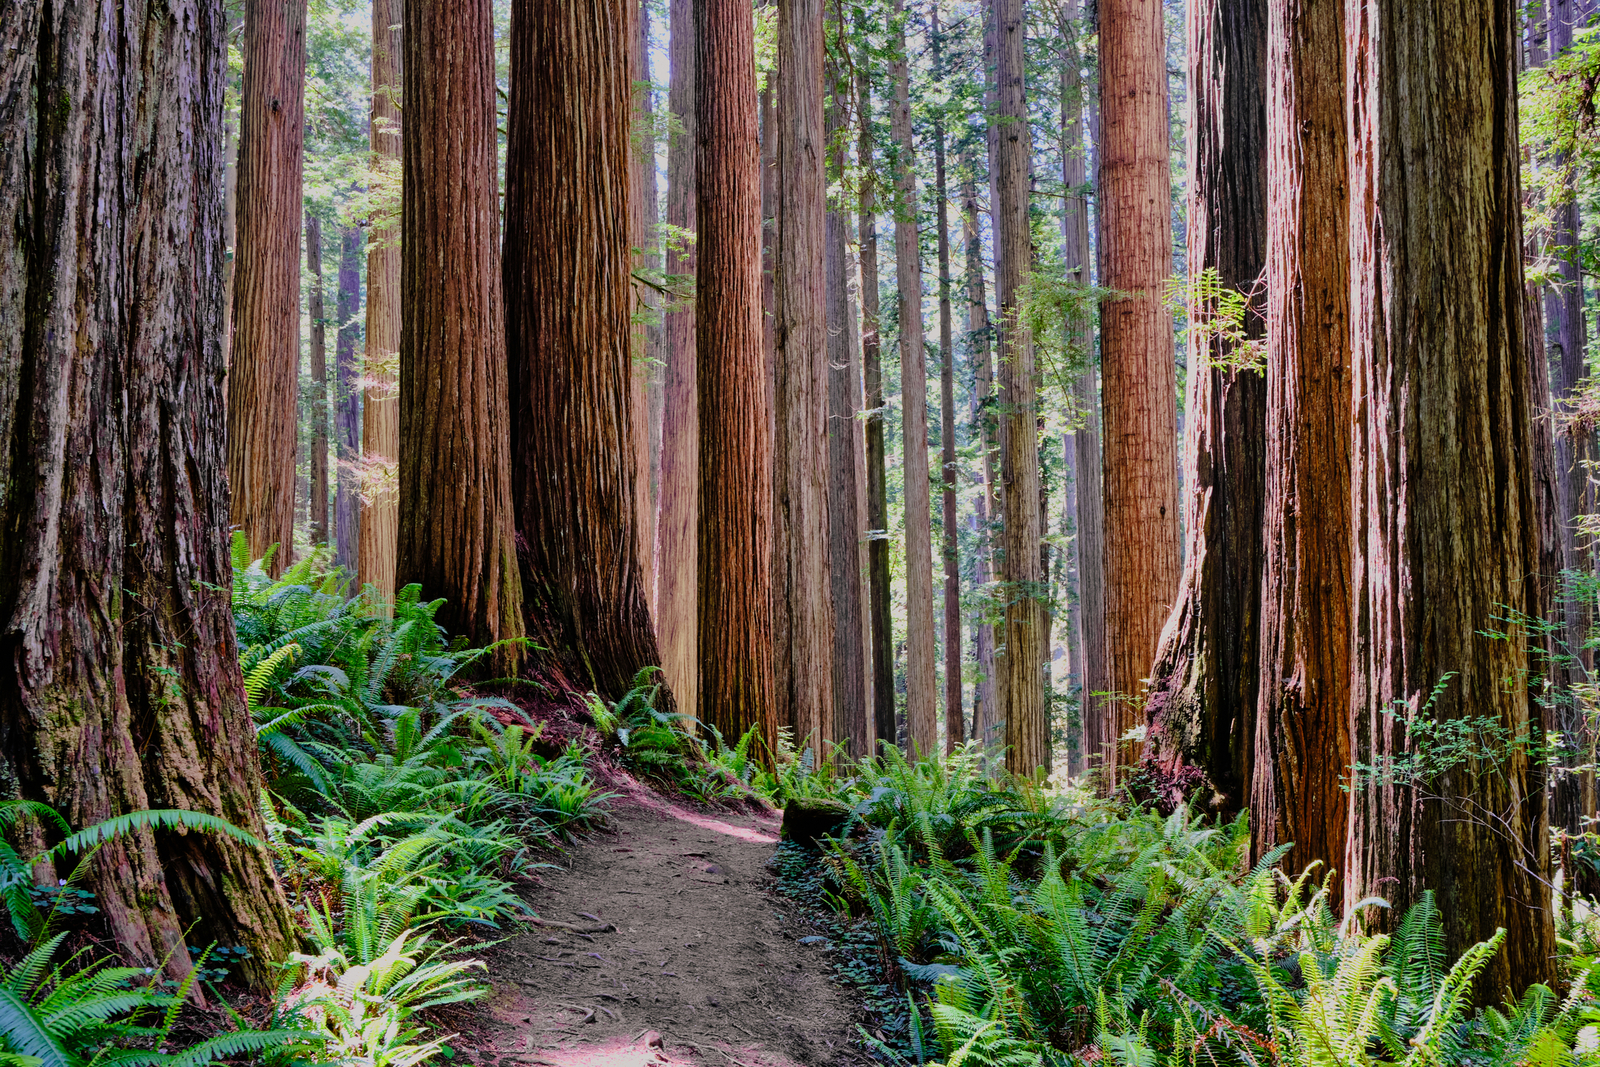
(706, 964)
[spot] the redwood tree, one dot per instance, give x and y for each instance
(264, 363)
(980, 336)
(317, 313)
(1302, 745)
(803, 618)
(1445, 515)
(922, 697)
(455, 534)
(569, 340)
(735, 558)
(380, 407)
(1022, 704)
(676, 613)
(1139, 390)
(120, 688)
(347, 401)
(1203, 687)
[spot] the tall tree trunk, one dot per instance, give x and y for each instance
(642, 226)
(878, 613)
(455, 534)
(955, 727)
(1302, 744)
(735, 556)
(985, 700)
(1445, 516)
(1203, 687)
(347, 402)
(1022, 704)
(801, 395)
(676, 611)
(922, 694)
(230, 216)
(319, 383)
(850, 717)
(264, 364)
(120, 688)
(380, 402)
(1139, 401)
(573, 431)
(1087, 510)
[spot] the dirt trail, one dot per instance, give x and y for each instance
(705, 954)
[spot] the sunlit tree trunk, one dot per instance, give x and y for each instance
(676, 613)
(575, 466)
(455, 535)
(800, 447)
(1139, 399)
(1445, 516)
(1203, 687)
(642, 225)
(380, 401)
(1022, 705)
(922, 695)
(735, 555)
(319, 383)
(120, 687)
(264, 368)
(347, 401)
(1302, 745)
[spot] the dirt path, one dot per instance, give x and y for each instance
(707, 960)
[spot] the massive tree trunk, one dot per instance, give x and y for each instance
(985, 700)
(1445, 517)
(264, 363)
(380, 402)
(735, 555)
(642, 226)
(1022, 704)
(1302, 746)
(1139, 384)
(955, 727)
(1087, 507)
(676, 613)
(850, 719)
(1203, 687)
(347, 402)
(318, 314)
(801, 395)
(922, 694)
(573, 431)
(878, 609)
(119, 674)
(455, 533)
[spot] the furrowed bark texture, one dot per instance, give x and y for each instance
(1203, 688)
(1139, 390)
(347, 401)
(878, 607)
(955, 727)
(455, 534)
(1085, 444)
(572, 381)
(319, 383)
(380, 401)
(735, 535)
(922, 694)
(264, 363)
(985, 700)
(804, 633)
(1444, 511)
(642, 225)
(850, 719)
(676, 613)
(1302, 745)
(1022, 705)
(120, 688)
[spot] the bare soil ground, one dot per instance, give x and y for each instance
(706, 964)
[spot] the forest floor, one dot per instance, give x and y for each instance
(708, 964)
